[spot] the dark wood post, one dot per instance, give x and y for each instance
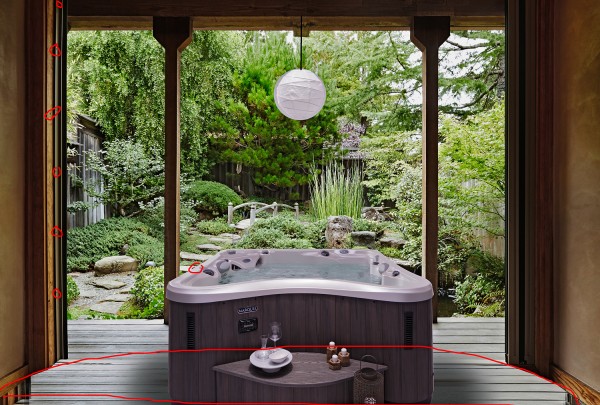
(428, 33)
(174, 34)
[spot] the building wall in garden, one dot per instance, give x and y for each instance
(12, 188)
(577, 189)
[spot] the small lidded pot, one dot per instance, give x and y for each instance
(335, 363)
(331, 350)
(344, 356)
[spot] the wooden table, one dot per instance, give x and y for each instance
(306, 379)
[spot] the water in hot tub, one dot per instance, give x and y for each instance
(332, 271)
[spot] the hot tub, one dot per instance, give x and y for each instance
(353, 297)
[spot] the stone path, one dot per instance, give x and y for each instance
(103, 293)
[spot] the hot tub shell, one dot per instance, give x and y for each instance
(204, 314)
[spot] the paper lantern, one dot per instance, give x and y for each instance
(299, 94)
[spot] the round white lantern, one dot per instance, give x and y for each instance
(299, 94)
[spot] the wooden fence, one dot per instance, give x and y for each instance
(87, 138)
(239, 178)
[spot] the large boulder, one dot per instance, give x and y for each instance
(364, 238)
(115, 264)
(337, 232)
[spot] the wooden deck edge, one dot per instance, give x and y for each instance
(15, 388)
(584, 392)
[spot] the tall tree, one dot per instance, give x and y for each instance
(277, 151)
(117, 77)
(377, 75)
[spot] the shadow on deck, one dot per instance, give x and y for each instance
(458, 378)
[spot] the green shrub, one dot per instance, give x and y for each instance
(264, 238)
(315, 233)
(336, 191)
(89, 244)
(211, 198)
(148, 292)
(213, 227)
(72, 290)
(288, 225)
(391, 252)
(284, 232)
(361, 224)
(483, 294)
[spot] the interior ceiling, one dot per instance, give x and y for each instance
(325, 15)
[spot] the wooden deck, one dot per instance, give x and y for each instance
(458, 378)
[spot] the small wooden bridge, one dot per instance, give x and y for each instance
(458, 378)
(254, 210)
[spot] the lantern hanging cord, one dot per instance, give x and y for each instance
(300, 42)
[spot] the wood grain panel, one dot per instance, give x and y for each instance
(583, 391)
(308, 319)
(279, 23)
(261, 8)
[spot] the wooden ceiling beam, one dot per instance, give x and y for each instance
(307, 8)
(283, 23)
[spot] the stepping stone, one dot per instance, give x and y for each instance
(108, 284)
(194, 257)
(125, 291)
(107, 307)
(117, 298)
(74, 275)
(231, 236)
(216, 239)
(86, 294)
(209, 246)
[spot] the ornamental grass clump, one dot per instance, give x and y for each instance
(337, 191)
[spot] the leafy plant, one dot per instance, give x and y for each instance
(130, 175)
(148, 292)
(78, 206)
(211, 198)
(483, 294)
(72, 290)
(271, 239)
(280, 232)
(89, 244)
(392, 252)
(117, 77)
(336, 191)
(213, 227)
(361, 224)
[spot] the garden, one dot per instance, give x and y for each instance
(360, 157)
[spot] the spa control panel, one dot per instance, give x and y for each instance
(247, 325)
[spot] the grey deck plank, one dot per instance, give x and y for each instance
(459, 378)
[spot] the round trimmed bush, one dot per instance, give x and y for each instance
(211, 198)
